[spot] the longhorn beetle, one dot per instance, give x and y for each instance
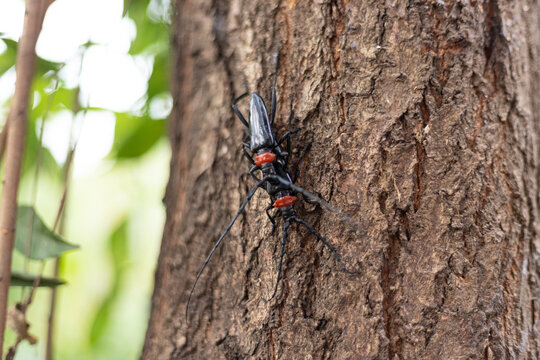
(272, 161)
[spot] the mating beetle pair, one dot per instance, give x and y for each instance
(276, 179)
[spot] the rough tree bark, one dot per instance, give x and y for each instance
(424, 123)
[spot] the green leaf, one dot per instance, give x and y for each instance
(48, 163)
(21, 279)
(7, 58)
(159, 79)
(62, 98)
(127, 6)
(118, 247)
(44, 243)
(119, 256)
(44, 66)
(135, 135)
(136, 9)
(152, 36)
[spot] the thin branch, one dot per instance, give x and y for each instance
(3, 137)
(35, 285)
(60, 217)
(17, 118)
(12, 350)
(59, 224)
(35, 185)
(52, 307)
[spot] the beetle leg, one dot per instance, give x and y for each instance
(326, 243)
(272, 218)
(238, 113)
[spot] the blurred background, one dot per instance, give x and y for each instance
(102, 84)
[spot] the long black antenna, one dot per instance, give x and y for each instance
(250, 195)
(273, 115)
(283, 242)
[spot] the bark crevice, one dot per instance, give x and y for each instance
(423, 128)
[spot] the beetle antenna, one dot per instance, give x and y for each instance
(274, 92)
(283, 242)
(240, 210)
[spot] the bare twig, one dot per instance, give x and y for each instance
(58, 224)
(50, 325)
(11, 352)
(16, 320)
(35, 186)
(57, 227)
(3, 137)
(25, 67)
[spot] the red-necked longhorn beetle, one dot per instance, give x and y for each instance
(272, 161)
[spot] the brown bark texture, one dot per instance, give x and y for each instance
(424, 121)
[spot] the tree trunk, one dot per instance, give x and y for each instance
(424, 122)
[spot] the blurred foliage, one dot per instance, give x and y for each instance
(118, 250)
(135, 133)
(34, 239)
(136, 136)
(20, 279)
(7, 58)
(43, 80)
